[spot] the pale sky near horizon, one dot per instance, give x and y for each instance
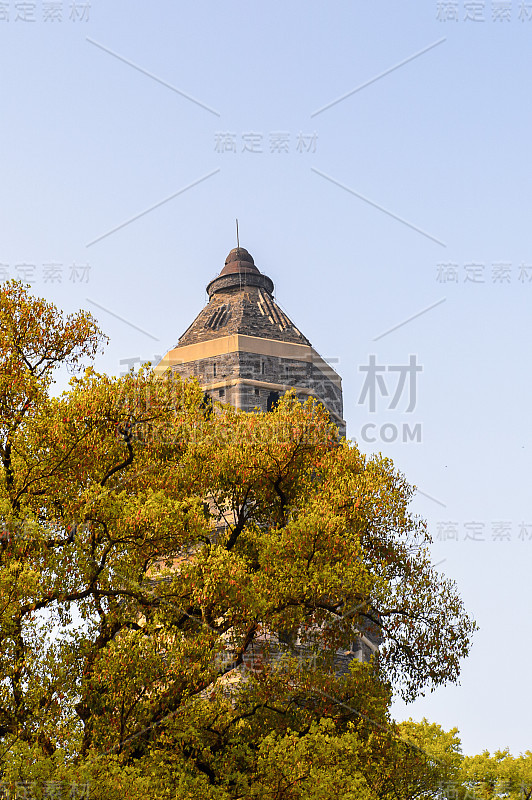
(377, 157)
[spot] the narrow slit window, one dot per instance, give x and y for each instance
(273, 399)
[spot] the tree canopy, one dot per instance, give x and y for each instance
(177, 581)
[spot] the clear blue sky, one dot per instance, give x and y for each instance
(408, 201)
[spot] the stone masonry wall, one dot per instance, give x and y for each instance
(268, 371)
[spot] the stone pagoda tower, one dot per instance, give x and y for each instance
(244, 350)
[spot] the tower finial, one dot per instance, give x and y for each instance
(237, 239)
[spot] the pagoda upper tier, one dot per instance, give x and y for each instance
(241, 302)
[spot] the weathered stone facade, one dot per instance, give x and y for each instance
(249, 310)
(247, 380)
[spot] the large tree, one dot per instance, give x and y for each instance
(177, 580)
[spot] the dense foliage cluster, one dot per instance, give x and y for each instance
(176, 582)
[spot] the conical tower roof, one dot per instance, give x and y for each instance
(241, 302)
(244, 350)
